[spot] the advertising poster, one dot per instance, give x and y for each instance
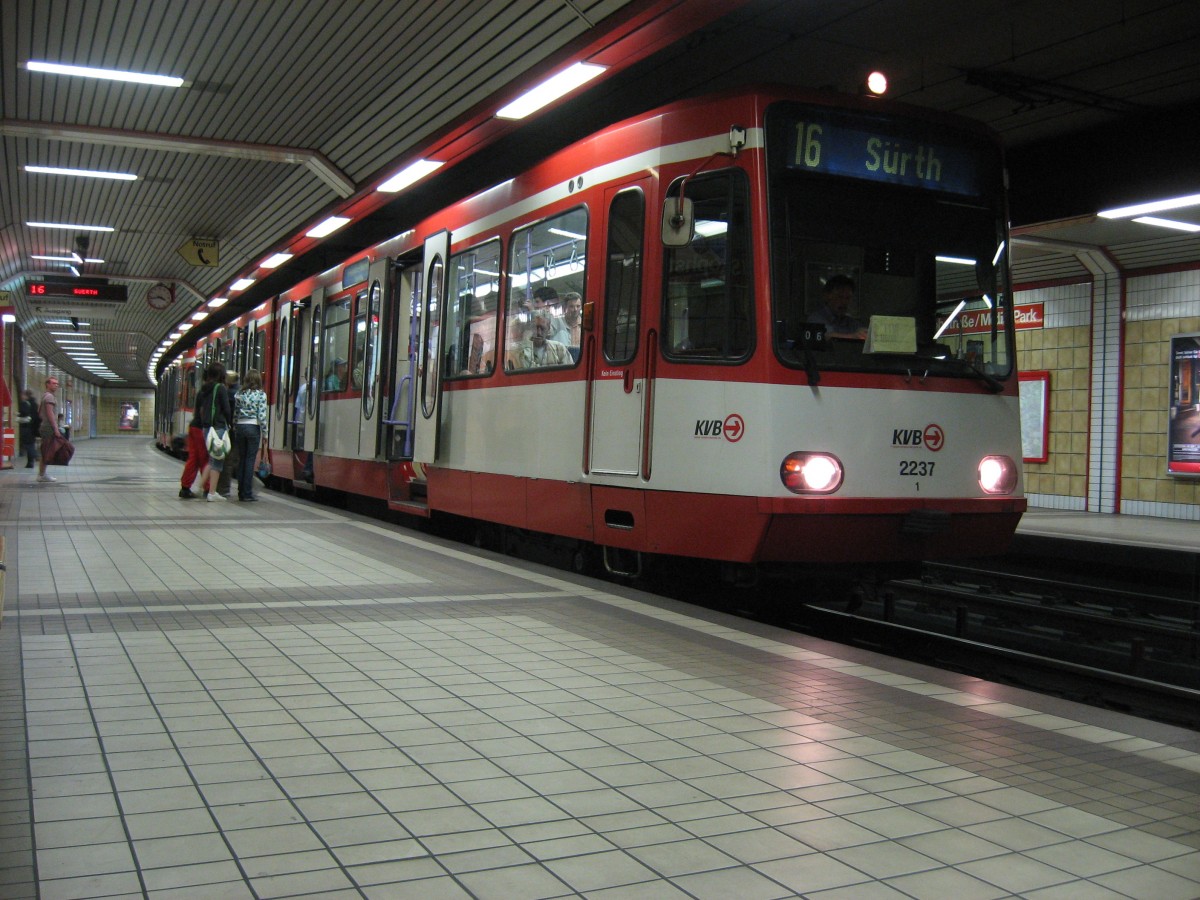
(1183, 418)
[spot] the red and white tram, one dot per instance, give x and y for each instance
(624, 346)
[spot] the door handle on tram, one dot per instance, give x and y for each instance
(629, 380)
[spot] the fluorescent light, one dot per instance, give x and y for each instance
(67, 226)
(329, 226)
(410, 173)
(217, 302)
(8, 317)
(177, 335)
(999, 251)
(550, 90)
(73, 334)
(570, 234)
(34, 65)
(82, 173)
(957, 260)
(274, 262)
(1167, 223)
(74, 271)
(952, 317)
(199, 316)
(1124, 212)
(65, 259)
(241, 284)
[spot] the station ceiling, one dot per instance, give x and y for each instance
(295, 110)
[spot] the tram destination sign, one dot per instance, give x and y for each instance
(877, 148)
(77, 291)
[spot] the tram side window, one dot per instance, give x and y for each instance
(623, 277)
(336, 346)
(469, 336)
(357, 360)
(708, 283)
(546, 273)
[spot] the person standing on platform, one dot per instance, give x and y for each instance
(197, 453)
(28, 418)
(229, 469)
(249, 431)
(48, 412)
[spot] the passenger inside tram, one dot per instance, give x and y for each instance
(535, 349)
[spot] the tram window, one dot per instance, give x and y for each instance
(283, 386)
(469, 335)
(335, 347)
(623, 275)
(708, 283)
(368, 364)
(360, 341)
(547, 265)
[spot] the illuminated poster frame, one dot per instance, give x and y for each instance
(1183, 411)
(1035, 416)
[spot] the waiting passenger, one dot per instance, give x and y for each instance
(536, 350)
(545, 300)
(836, 297)
(573, 320)
(336, 379)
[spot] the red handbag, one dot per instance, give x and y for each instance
(57, 450)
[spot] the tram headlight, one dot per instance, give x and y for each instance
(997, 475)
(806, 472)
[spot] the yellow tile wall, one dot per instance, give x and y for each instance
(1144, 415)
(111, 404)
(1064, 353)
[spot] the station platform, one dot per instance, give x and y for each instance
(279, 699)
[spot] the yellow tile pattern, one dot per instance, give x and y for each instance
(1064, 353)
(1144, 414)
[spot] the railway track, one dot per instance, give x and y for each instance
(1134, 651)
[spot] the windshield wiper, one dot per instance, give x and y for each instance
(967, 369)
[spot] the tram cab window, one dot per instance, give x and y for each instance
(547, 270)
(469, 336)
(708, 283)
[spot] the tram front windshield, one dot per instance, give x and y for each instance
(921, 270)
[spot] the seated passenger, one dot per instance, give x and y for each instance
(535, 350)
(836, 297)
(336, 379)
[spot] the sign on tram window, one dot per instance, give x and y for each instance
(873, 148)
(1183, 416)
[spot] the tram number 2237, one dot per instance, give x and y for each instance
(916, 467)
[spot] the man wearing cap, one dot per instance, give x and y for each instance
(336, 379)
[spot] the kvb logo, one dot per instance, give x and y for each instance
(931, 437)
(732, 428)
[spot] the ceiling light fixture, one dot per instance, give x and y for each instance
(69, 227)
(1124, 212)
(241, 284)
(549, 90)
(217, 302)
(81, 173)
(35, 65)
(1167, 223)
(328, 227)
(409, 174)
(274, 262)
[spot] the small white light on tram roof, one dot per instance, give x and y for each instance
(877, 83)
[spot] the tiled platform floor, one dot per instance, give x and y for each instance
(277, 699)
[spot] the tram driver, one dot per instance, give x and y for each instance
(834, 313)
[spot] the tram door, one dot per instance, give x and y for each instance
(306, 408)
(623, 362)
(282, 385)
(429, 376)
(365, 375)
(400, 359)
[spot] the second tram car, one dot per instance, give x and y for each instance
(628, 345)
